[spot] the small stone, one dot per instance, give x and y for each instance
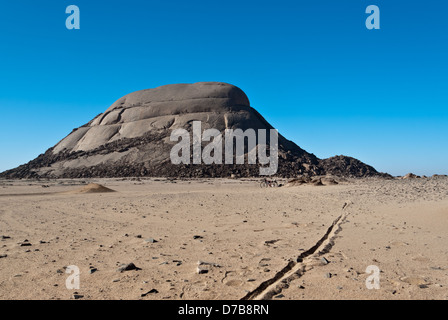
(151, 240)
(201, 270)
(279, 296)
(436, 268)
(324, 261)
(5, 237)
(25, 244)
(202, 263)
(328, 275)
(128, 267)
(177, 262)
(92, 270)
(77, 296)
(198, 237)
(3, 256)
(301, 287)
(152, 291)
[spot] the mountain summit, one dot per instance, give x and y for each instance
(132, 138)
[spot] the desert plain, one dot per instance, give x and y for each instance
(227, 239)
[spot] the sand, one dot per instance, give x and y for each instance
(224, 239)
(91, 188)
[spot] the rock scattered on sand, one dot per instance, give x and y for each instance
(203, 263)
(25, 244)
(316, 181)
(410, 176)
(414, 280)
(298, 181)
(77, 296)
(177, 262)
(201, 270)
(128, 267)
(271, 241)
(329, 181)
(203, 267)
(3, 256)
(152, 291)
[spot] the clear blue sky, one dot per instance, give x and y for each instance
(311, 68)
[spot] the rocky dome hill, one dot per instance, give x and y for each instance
(132, 139)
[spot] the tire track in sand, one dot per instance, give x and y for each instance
(295, 269)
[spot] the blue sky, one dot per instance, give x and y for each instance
(311, 68)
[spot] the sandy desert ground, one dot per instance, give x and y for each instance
(291, 242)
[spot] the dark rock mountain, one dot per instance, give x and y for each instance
(347, 166)
(132, 138)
